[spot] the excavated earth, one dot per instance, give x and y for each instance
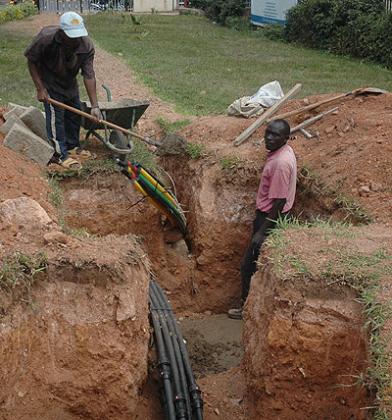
(89, 319)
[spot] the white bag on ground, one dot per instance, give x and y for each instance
(253, 106)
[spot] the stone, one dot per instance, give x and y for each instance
(329, 129)
(376, 186)
(17, 110)
(23, 211)
(34, 119)
(11, 120)
(24, 141)
(363, 190)
(172, 145)
(56, 237)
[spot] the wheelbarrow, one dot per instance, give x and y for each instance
(124, 113)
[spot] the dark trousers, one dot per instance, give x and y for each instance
(248, 266)
(62, 126)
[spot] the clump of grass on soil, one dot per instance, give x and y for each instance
(20, 270)
(328, 253)
(171, 127)
(230, 162)
(196, 151)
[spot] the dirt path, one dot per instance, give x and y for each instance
(114, 73)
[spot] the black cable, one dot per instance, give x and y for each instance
(177, 350)
(194, 390)
(164, 366)
(179, 400)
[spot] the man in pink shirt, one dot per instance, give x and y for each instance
(275, 197)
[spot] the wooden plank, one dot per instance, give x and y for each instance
(261, 120)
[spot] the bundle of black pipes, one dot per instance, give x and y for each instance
(181, 395)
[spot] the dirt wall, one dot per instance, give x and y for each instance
(304, 351)
(76, 345)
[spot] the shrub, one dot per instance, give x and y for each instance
(17, 12)
(349, 27)
(220, 10)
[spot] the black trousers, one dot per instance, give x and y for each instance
(62, 126)
(248, 266)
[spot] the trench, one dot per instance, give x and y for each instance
(202, 284)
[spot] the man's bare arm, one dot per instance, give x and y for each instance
(42, 93)
(91, 88)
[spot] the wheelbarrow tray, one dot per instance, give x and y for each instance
(124, 113)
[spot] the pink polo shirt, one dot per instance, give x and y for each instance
(278, 180)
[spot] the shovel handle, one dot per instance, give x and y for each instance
(104, 122)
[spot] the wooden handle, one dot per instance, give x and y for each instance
(261, 120)
(104, 122)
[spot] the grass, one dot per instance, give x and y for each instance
(20, 270)
(195, 151)
(230, 162)
(171, 127)
(202, 67)
(349, 267)
(16, 84)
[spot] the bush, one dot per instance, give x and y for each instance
(17, 12)
(349, 27)
(220, 10)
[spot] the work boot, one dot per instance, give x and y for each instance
(235, 313)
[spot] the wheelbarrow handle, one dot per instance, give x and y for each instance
(104, 122)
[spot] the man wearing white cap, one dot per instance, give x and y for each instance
(55, 57)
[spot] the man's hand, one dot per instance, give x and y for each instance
(96, 113)
(42, 95)
(257, 241)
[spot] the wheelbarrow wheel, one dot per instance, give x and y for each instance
(120, 141)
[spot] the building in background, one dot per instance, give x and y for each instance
(143, 6)
(270, 11)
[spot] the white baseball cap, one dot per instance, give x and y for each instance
(72, 24)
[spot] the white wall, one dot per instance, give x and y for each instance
(270, 11)
(140, 6)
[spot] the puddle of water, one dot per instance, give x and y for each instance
(214, 343)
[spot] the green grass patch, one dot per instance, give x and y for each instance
(208, 66)
(16, 84)
(171, 127)
(196, 151)
(20, 270)
(230, 162)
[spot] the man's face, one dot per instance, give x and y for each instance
(274, 137)
(69, 43)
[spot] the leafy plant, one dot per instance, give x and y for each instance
(17, 12)
(195, 151)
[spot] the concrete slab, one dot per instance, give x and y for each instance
(16, 110)
(24, 141)
(34, 119)
(10, 121)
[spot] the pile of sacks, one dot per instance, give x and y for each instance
(25, 132)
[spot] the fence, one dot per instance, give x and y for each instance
(84, 6)
(388, 5)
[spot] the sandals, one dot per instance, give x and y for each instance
(77, 151)
(70, 163)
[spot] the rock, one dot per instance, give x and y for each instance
(376, 186)
(9, 123)
(22, 140)
(34, 119)
(17, 110)
(172, 145)
(180, 248)
(363, 190)
(330, 129)
(306, 101)
(23, 211)
(56, 237)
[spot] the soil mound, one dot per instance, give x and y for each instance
(305, 342)
(74, 336)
